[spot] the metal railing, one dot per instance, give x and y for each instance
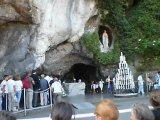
(49, 90)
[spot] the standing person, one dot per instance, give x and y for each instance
(101, 82)
(36, 87)
(4, 92)
(149, 82)
(28, 83)
(94, 86)
(44, 90)
(109, 86)
(140, 84)
(97, 87)
(19, 87)
(107, 83)
(48, 78)
(157, 77)
(62, 111)
(106, 110)
(57, 90)
(155, 102)
(11, 93)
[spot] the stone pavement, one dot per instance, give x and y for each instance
(85, 106)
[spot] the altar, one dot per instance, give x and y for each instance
(74, 89)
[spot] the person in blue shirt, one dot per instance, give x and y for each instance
(44, 90)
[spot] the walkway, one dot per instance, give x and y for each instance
(86, 105)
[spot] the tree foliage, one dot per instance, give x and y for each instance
(137, 26)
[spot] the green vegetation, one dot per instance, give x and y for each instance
(137, 28)
(91, 42)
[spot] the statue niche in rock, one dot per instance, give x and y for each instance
(104, 45)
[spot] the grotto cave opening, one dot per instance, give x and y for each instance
(86, 73)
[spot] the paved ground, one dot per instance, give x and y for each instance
(86, 106)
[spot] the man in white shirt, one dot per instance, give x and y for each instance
(4, 92)
(57, 90)
(140, 84)
(11, 93)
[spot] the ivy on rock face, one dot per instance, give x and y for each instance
(92, 43)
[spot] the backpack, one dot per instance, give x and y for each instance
(26, 83)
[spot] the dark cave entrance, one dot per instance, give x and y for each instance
(86, 73)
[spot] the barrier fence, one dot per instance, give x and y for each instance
(25, 109)
(49, 98)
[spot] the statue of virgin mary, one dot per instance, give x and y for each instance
(105, 41)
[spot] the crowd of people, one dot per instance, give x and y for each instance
(107, 85)
(35, 88)
(151, 83)
(105, 110)
(102, 86)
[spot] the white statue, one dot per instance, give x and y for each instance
(104, 48)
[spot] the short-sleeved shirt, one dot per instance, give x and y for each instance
(140, 80)
(19, 85)
(10, 85)
(57, 87)
(4, 84)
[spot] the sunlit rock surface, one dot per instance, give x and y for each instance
(34, 32)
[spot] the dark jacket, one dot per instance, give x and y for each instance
(156, 113)
(36, 86)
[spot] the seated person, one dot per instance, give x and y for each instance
(140, 111)
(106, 110)
(155, 102)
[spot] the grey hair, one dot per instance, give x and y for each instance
(142, 112)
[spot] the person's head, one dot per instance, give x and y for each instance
(105, 31)
(140, 111)
(55, 79)
(106, 110)
(18, 77)
(42, 75)
(155, 98)
(28, 74)
(34, 71)
(4, 115)
(159, 72)
(10, 77)
(5, 77)
(62, 111)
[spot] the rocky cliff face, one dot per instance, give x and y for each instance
(43, 33)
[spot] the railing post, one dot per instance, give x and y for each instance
(51, 96)
(25, 102)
